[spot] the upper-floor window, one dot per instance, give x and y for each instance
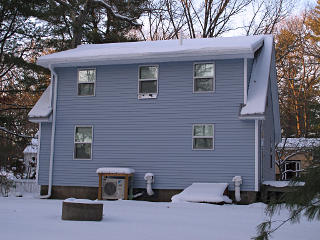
(86, 82)
(203, 77)
(148, 81)
(202, 137)
(83, 142)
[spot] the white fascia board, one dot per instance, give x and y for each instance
(40, 120)
(143, 58)
(252, 117)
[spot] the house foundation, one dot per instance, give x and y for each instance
(160, 195)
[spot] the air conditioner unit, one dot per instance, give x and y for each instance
(113, 188)
(147, 95)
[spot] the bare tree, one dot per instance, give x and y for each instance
(207, 18)
(266, 14)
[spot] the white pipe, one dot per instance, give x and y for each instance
(180, 37)
(53, 129)
(149, 177)
(237, 182)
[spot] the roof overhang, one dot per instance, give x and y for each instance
(41, 111)
(156, 51)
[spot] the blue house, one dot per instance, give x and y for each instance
(191, 110)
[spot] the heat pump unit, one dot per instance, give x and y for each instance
(113, 188)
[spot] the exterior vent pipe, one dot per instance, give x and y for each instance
(149, 177)
(180, 38)
(237, 182)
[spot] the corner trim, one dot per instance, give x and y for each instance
(245, 80)
(256, 155)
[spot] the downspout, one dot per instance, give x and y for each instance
(53, 129)
(38, 154)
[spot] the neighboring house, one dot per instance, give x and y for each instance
(300, 152)
(197, 110)
(30, 157)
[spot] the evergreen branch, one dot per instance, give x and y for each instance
(265, 230)
(113, 12)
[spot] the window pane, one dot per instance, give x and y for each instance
(87, 76)
(147, 86)
(86, 89)
(202, 143)
(83, 134)
(203, 84)
(148, 72)
(82, 150)
(203, 70)
(203, 130)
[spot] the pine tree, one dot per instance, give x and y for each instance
(303, 201)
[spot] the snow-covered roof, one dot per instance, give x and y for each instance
(115, 53)
(119, 170)
(258, 87)
(33, 148)
(42, 109)
(296, 143)
(263, 70)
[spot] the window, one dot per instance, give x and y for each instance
(202, 137)
(86, 82)
(203, 77)
(292, 169)
(83, 142)
(148, 81)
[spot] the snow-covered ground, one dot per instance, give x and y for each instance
(36, 219)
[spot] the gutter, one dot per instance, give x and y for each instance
(53, 129)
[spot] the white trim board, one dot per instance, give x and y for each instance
(256, 155)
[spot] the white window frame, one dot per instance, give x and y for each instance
(193, 137)
(298, 168)
(148, 95)
(213, 77)
(74, 142)
(94, 83)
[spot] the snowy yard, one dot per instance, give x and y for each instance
(27, 218)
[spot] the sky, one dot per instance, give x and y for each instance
(243, 18)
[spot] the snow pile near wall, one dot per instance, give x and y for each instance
(282, 183)
(203, 192)
(115, 170)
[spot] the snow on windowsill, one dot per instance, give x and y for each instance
(115, 170)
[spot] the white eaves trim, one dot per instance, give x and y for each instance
(42, 108)
(112, 53)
